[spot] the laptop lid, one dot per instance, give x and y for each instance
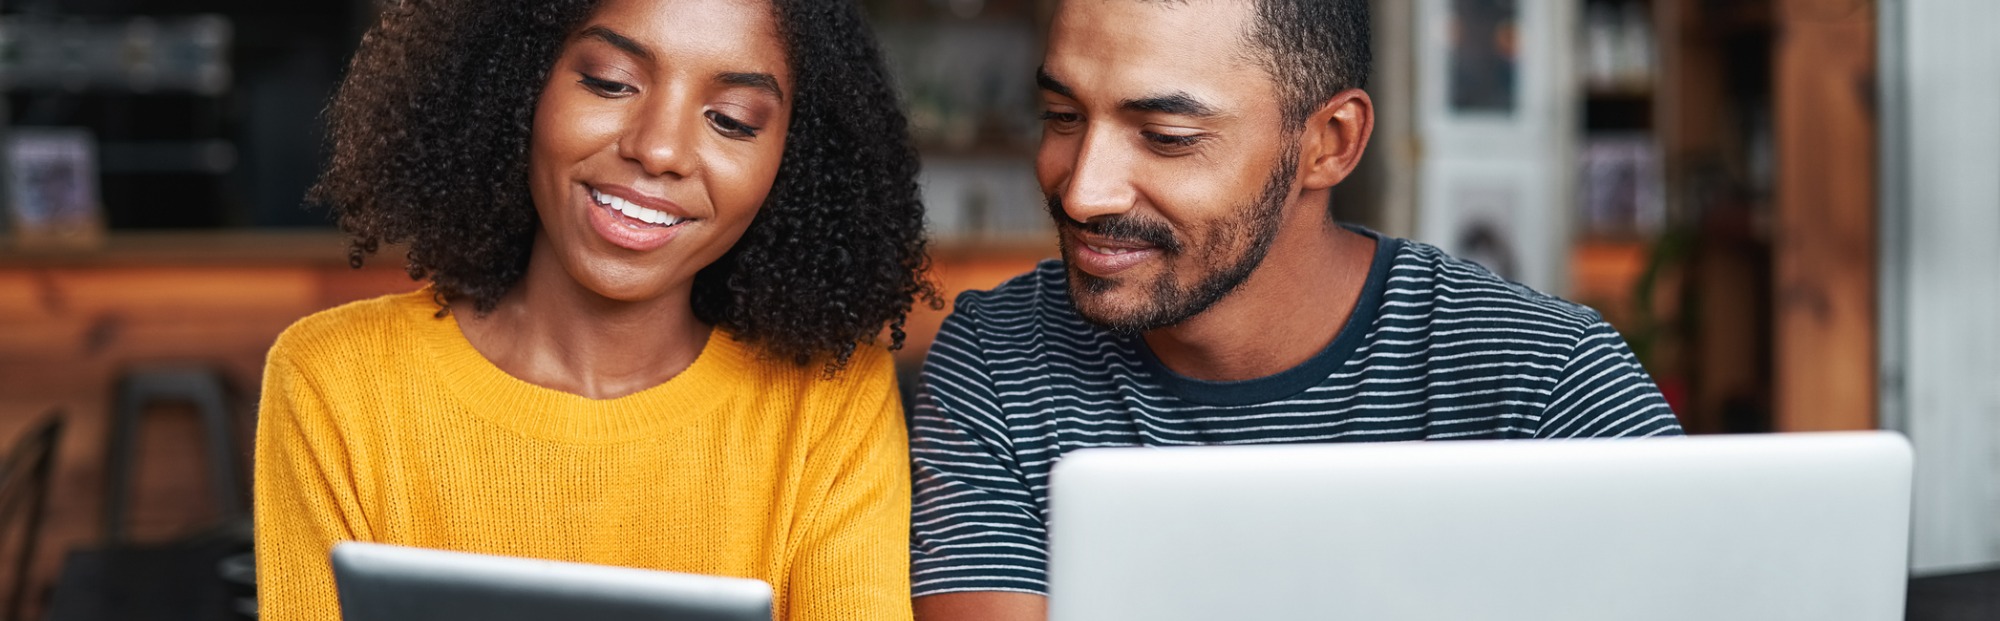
(1801, 526)
(394, 583)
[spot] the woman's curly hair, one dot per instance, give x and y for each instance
(430, 136)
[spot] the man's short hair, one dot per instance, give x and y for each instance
(1313, 49)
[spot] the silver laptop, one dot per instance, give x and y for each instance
(1775, 527)
(393, 583)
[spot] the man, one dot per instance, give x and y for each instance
(1206, 296)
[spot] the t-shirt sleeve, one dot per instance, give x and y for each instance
(975, 524)
(1603, 392)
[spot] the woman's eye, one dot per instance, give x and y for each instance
(731, 127)
(606, 88)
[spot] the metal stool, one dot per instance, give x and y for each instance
(199, 386)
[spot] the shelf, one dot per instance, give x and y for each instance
(199, 248)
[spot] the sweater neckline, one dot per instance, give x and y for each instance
(536, 411)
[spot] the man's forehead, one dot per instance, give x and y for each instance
(1124, 48)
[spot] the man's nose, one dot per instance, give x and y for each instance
(1100, 180)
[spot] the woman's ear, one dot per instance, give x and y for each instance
(1335, 137)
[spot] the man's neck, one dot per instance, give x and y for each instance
(1287, 311)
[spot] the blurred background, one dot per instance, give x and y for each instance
(1790, 208)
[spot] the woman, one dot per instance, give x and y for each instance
(662, 239)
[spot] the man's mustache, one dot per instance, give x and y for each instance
(1124, 228)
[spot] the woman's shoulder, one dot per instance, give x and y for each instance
(372, 326)
(868, 364)
(849, 397)
(817, 386)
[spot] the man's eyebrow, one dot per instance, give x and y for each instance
(1177, 104)
(1050, 84)
(618, 41)
(761, 81)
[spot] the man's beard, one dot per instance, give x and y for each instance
(1169, 303)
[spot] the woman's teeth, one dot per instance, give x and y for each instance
(635, 212)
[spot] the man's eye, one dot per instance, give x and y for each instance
(1061, 118)
(731, 127)
(606, 88)
(1172, 141)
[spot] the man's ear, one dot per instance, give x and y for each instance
(1335, 137)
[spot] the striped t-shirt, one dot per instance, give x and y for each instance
(1437, 348)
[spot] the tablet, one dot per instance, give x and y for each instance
(394, 583)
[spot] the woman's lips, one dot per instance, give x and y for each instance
(629, 224)
(1104, 257)
(647, 210)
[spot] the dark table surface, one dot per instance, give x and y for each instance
(1956, 597)
(172, 582)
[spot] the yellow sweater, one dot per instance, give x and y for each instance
(381, 423)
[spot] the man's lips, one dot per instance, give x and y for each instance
(1103, 256)
(1113, 248)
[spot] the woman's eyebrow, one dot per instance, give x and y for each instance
(761, 81)
(619, 41)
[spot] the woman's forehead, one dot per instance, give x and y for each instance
(740, 36)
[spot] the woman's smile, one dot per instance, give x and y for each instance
(634, 221)
(632, 210)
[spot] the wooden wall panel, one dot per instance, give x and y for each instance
(1824, 247)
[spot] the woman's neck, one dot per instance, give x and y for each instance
(551, 331)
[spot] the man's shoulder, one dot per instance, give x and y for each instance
(1025, 307)
(1026, 334)
(1046, 283)
(1427, 283)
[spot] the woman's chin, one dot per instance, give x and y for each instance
(613, 283)
(640, 292)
